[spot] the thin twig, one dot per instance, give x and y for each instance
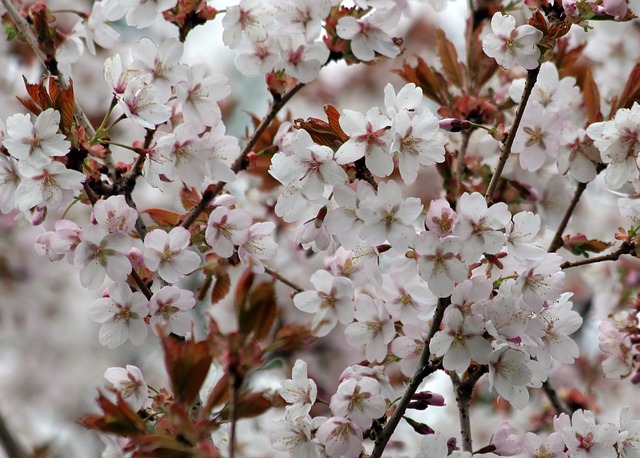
(554, 399)
(464, 390)
(10, 444)
(625, 248)
(466, 134)
(240, 162)
(532, 76)
(423, 369)
(556, 243)
(283, 280)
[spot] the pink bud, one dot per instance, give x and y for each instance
(135, 258)
(38, 215)
(454, 124)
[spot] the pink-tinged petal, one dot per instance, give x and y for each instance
(113, 334)
(92, 275)
(118, 267)
(137, 331)
(307, 301)
(102, 310)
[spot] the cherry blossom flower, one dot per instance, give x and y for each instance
(142, 13)
(9, 181)
(49, 186)
(560, 322)
(521, 233)
(440, 218)
(259, 246)
(358, 400)
(368, 35)
(540, 281)
(538, 137)
(302, 17)
(227, 228)
(372, 330)
(536, 447)
(60, 242)
(480, 227)
(245, 18)
(578, 156)
(409, 347)
(299, 392)
(408, 99)
(387, 216)
(332, 301)
(160, 63)
(168, 255)
(617, 346)
(619, 145)
(129, 382)
(343, 222)
(377, 373)
(114, 214)
(509, 45)
(169, 308)
(629, 439)
(258, 57)
(35, 143)
(460, 341)
(505, 443)
(101, 253)
(340, 437)
(122, 314)
(509, 375)
(199, 95)
(439, 263)
(309, 166)
(369, 138)
(118, 78)
(300, 59)
(95, 29)
(584, 438)
(293, 435)
(414, 144)
(139, 103)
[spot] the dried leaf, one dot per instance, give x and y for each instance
(591, 98)
(163, 217)
(448, 55)
(581, 246)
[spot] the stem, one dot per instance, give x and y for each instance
(466, 134)
(555, 401)
(556, 243)
(13, 448)
(625, 248)
(464, 390)
(532, 76)
(239, 163)
(283, 280)
(423, 369)
(233, 416)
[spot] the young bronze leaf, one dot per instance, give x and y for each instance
(258, 312)
(591, 98)
(333, 116)
(187, 364)
(454, 70)
(222, 286)
(189, 198)
(431, 82)
(631, 91)
(116, 418)
(481, 66)
(218, 395)
(64, 104)
(163, 217)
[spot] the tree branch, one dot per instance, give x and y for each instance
(423, 369)
(240, 162)
(10, 444)
(625, 248)
(556, 243)
(532, 76)
(283, 280)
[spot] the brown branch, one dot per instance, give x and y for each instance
(423, 369)
(532, 76)
(556, 243)
(463, 390)
(240, 162)
(625, 248)
(10, 444)
(283, 280)
(554, 399)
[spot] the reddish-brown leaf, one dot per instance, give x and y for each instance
(187, 363)
(455, 71)
(189, 198)
(481, 66)
(163, 217)
(631, 91)
(333, 116)
(218, 396)
(431, 82)
(64, 104)
(591, 98)
(249, 405)
(116, 418)
(257, 314)
(203, 289)
(222, 286)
